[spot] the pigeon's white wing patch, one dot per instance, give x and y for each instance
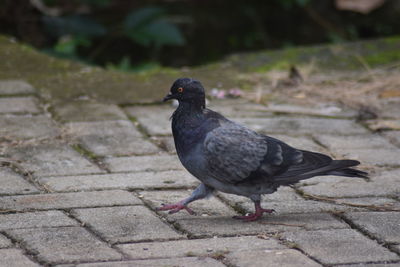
(233, 152)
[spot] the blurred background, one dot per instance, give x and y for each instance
(145, 34)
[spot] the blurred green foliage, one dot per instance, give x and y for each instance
(145, 34)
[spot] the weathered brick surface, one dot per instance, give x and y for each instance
(4, 242)
(39, 219)
(382, 225)
(88, 111)
(159, 162)
(393, 136)
(15, 257)
(304, 125)
(285, 257)
(178, 262)
(15, 87)
(386, 183)
(105, 216)
(18, 105)
(52, 160)
(199, 226)
(287, 206)
(137, 180)
(68, 200)
(339, 246)
(154, 119)
(26, 127)
(348, 143)
(126, 224)
(375, 157)
(318, 110)
(197, 247)
(107, 138)
(12, 183)
(64, 244)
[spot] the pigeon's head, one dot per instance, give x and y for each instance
(187, 90)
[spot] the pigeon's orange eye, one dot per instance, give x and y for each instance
(180, 89)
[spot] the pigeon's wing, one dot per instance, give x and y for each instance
(234, 152)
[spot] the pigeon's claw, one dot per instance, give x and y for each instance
(254, 216)
(174, 208)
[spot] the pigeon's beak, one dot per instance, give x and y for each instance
(168, 97)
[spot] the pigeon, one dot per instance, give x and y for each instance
(228, 157)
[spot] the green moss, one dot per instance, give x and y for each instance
(382, 57)
(59, 80)
(392, 40)
(84, 152)
(279, 65)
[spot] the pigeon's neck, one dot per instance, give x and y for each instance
(189, 110)
(187, 126)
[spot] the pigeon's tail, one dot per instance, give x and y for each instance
(316, 164)
(349, 172)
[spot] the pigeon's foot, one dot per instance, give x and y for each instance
(256, 215)
(174, 208)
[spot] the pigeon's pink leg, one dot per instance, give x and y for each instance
(174, 208)
(256, 215)
(200, 192)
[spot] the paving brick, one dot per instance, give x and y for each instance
(165, 142)
(378, 202)
(393, 136)
(386, 183)
(197, 247)
(27, 126)
(159, 162)
(177, 262)
(285, 257)
(382, 225)
(68, 200)
(390, 108)
(226, 226)
(374, 157)
(52, 218)
(52, 159)
(339, 246)
(15, 257)
(371, 265)
(126, 224)
(18, 105)
(64, 244)
(15, 87)
(317, 110)
(348, 143)
(4, 242)
(288, 206)
(81, 110)
(102, 128)
(154, 119)
(238, 107)
(383, 124)
(12, 183)
(137, 180)
(284, 125)
(106, 138)
(203, 207)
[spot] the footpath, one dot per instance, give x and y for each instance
(80, 181)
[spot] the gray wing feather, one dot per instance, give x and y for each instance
(233, 152)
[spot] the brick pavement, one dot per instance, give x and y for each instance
(80, 181)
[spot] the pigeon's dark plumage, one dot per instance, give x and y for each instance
(231, 158)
